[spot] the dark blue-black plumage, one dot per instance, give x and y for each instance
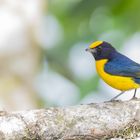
(123, 66)
(117, 64)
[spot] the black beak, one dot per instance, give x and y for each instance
(87, 49)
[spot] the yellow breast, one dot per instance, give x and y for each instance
(118, 82)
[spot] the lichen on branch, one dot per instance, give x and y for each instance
(93, 121)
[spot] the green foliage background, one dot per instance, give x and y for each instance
(86, 21)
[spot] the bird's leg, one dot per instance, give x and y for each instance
(134, 96)
(117, 96)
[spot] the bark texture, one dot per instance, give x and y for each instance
(106, 120)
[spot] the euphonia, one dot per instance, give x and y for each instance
(116, 69)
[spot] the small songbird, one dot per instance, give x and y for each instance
(114, 68)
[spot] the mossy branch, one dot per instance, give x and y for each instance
(84, 122)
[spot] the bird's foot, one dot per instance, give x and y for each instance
(134, 98)
(91, 104)
(113, 100)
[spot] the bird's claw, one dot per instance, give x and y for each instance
(134, 98)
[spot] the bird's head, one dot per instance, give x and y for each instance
(101, 50)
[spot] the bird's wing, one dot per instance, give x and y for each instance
(123, 68)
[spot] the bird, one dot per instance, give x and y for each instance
(116, 69)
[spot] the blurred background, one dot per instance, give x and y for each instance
(42, 49)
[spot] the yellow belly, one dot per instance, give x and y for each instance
(118, 82)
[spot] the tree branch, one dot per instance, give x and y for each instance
(84, 122)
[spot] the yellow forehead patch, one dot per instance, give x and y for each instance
(95, 44)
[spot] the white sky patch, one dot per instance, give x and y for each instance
(54, 88)
(50, 32)
(12, 32)
(29, 9)
(81, 62)
(131, 47)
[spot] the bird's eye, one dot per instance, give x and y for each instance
(99, 49)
